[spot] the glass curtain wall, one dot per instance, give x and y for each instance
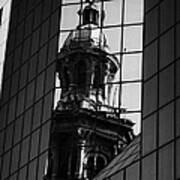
(122, 26)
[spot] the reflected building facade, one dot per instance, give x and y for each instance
(31, 88)
(155, 155)
(87, 131)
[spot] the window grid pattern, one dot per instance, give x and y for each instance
(27, 88)
(159, 73)
(159, 146)
(124, 38)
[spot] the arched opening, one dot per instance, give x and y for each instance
(90, 168)
(100, 163)
(95, 163)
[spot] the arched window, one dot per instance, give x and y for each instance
(90, 168)
(100, 163)
(95, 163)
(90, 164)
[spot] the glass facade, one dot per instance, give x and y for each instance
(28, 83)
(122, 26)
(159, 153)
(160, 75)
(37, 32)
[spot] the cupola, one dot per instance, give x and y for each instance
(90, 15)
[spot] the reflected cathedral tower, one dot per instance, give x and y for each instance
(87, 131)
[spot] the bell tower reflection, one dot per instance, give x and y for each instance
(86, 129)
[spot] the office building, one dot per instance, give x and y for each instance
(28, 85)
(87, 130)
(31, 89)
(155, 154)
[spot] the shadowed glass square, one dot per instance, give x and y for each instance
(149, 167)
(149, 135)
(166, 163)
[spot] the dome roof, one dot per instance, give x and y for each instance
(87, 37)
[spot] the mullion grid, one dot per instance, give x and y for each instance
(121, 53)
(5, 137)
(31, 121)
(174, 99)
(15, 48)
(6, 123)
(25, 87)
(120, 66)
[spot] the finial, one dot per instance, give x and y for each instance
(90, 1)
